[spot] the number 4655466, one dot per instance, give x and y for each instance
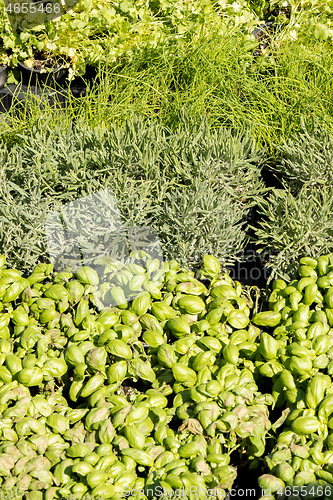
(314, 491)
(31, 8)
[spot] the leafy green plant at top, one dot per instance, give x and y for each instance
(293, 226)
(213, 75)
(93, 33)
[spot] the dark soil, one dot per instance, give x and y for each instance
(41, 61)
(264, 39)
(47, 64)
(282, 11)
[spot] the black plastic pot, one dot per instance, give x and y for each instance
(78, 91)
(4, 119)
(80, 82)
(33, 77)
(262, 27)
(20, 94)
(3, 76)
(5, 100)
(78, 86)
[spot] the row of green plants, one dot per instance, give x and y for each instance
(103, 397)
(93, 34)
(194, 187)
(213, 75)
(197, 188)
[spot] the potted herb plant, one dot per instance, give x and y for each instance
(43, 69)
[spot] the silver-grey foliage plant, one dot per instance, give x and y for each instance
(193, 186)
